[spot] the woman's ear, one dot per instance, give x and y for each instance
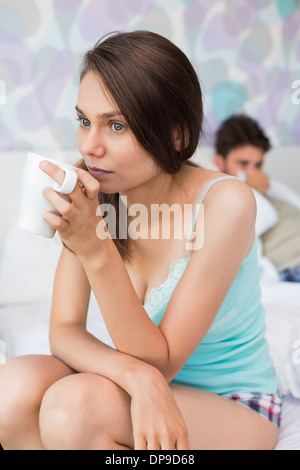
(219, 161)
(178, 137)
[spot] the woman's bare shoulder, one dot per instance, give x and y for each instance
(199, 179)
(228, 198)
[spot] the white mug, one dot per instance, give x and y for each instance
(33, 203)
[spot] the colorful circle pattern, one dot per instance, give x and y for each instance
(247, 56)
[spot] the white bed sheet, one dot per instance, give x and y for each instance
(289, 438)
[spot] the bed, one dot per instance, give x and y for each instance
(27, 268)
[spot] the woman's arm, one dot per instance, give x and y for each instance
(228, 234)
(153, 409)
(104, 270)
(69, 339)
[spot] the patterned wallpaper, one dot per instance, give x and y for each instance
(246, 53)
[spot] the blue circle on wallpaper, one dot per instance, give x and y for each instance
(228, 98)
(287, 7)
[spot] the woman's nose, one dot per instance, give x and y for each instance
(93, 144)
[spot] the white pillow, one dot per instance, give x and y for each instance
(28, 266)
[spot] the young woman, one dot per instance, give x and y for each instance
(190, 368)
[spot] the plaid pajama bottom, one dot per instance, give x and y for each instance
(268, 406)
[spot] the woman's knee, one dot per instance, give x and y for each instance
(23, 381)
(78, 412)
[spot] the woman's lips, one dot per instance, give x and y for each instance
(98, 172)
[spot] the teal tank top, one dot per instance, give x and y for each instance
(233, 357)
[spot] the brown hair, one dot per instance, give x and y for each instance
(157, 90)
(238, 131)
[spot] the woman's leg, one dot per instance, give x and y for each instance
(23, 382)
(215, 422)
(87, 411)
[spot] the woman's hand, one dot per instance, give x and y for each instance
(156, 419)
(77, 220)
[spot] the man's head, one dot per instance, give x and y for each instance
(240, 146)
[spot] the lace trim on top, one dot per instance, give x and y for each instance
(159, 296)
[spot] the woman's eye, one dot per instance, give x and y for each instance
(117, 127)
(83, 122)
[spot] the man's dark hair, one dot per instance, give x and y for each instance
(238, 131)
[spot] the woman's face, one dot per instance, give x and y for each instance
(109, 148)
